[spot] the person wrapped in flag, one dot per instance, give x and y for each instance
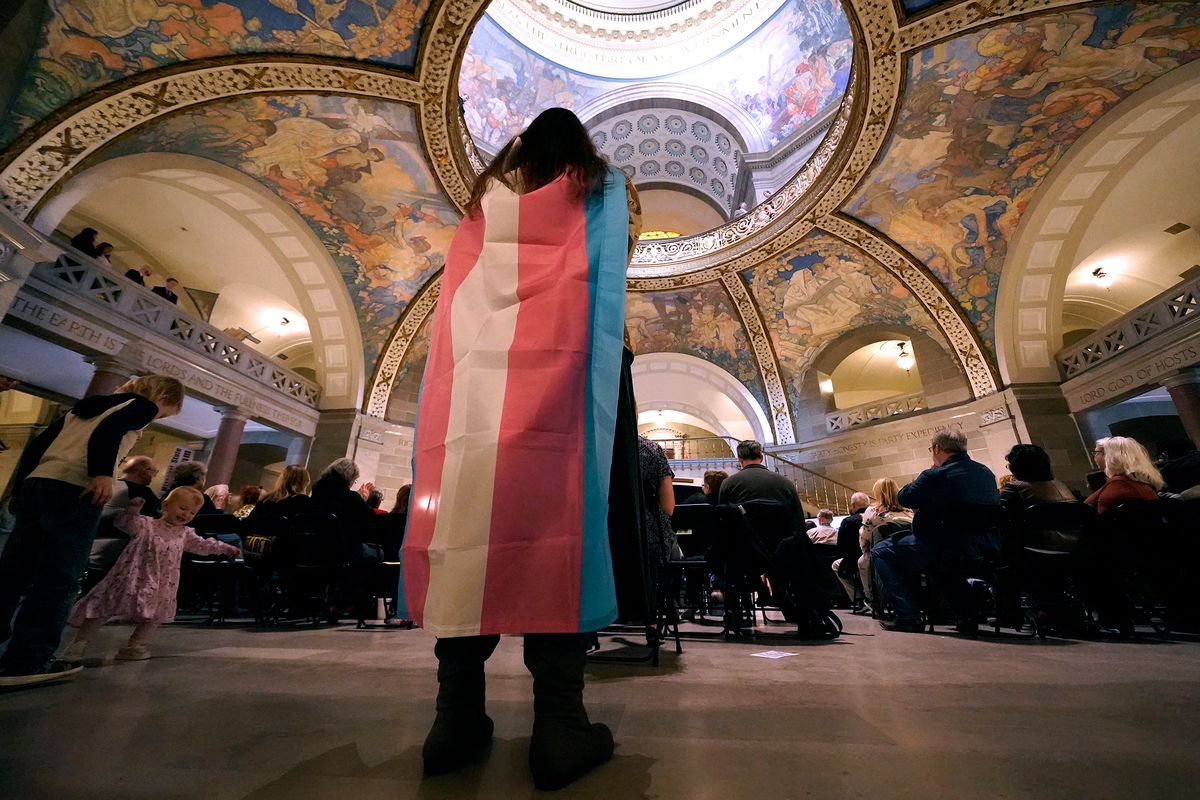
(507, 525)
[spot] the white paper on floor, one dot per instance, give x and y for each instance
(773, 654)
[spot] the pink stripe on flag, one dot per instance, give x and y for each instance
(432, 424)
(537, 504)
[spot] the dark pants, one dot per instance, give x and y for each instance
(897, 564)
(42, 562)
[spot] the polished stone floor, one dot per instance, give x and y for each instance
(337, 713)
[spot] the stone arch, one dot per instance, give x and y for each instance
(680, 382)
(942, 380)
(302, 257)
(1045, 247)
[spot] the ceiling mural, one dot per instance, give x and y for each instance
(782, 75)
(354, 171)
(699, 321)
(85, 44)
(986, 116)
(819, 290)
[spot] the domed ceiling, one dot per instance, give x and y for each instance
(902, 145)
(702, 97)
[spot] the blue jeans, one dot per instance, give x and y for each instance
(898, 564)
(42, 563)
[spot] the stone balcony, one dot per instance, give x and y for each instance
(84, 305)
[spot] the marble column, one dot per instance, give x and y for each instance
(109, 374)
(1184, 388)
(225, 445)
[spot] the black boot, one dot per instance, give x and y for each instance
(564, 744)
(462, 730)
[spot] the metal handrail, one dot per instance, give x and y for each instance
(819, 490)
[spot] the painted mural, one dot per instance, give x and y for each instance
(783, 75)
(987, 116)
(85, 44)
(354, 171)
(814, 293)
(698, 321)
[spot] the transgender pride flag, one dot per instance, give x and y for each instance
(507, 523)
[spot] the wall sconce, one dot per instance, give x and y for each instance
(1103, 279)
(905, 360)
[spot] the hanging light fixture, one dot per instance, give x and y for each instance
(1103, 279)
(905, 360)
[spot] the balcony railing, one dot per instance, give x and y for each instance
(100, 286)
(815, 489)
(847, 418)
(1178, 305)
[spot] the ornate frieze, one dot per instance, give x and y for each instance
(27, 178)
(397, 347)
(768, 364)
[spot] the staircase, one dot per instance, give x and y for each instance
(717, 452)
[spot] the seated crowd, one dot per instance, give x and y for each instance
(953, 527)
(957, 518)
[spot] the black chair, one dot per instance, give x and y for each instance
(696, 529)
(316, 553)
(1047, 570)
(211, 582)
(1140, 538)
(372, 581)
(265, 540)
(960, 583)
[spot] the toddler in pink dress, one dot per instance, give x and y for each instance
(142, 585)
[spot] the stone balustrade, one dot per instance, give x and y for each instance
(1177, 306)
(847, 418)
(108, 295)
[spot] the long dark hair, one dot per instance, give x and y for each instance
(555, 143)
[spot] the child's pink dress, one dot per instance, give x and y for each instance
(143, 583)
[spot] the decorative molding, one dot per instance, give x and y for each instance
(889, 408)
(967, 16)
(443, 129)
(414, 316)
(768, 365)
(111, 294)
(60, 148)
(930, 292)
(993, 415)
(1178, 306)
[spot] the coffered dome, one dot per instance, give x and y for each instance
(722, 100)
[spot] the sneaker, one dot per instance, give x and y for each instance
(54, 670)
(75, 651)
(136, 653)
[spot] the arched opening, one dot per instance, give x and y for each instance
(244, 258)
(1123, 201)
(858, 379)
(692, 392)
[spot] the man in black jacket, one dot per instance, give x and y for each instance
(169, 292)
(954, 480)
(138, 274)
(755, 482)
(64, 478)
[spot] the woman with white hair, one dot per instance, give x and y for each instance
(1131, 475)
(219, 495)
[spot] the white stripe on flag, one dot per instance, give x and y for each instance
(483, 324)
